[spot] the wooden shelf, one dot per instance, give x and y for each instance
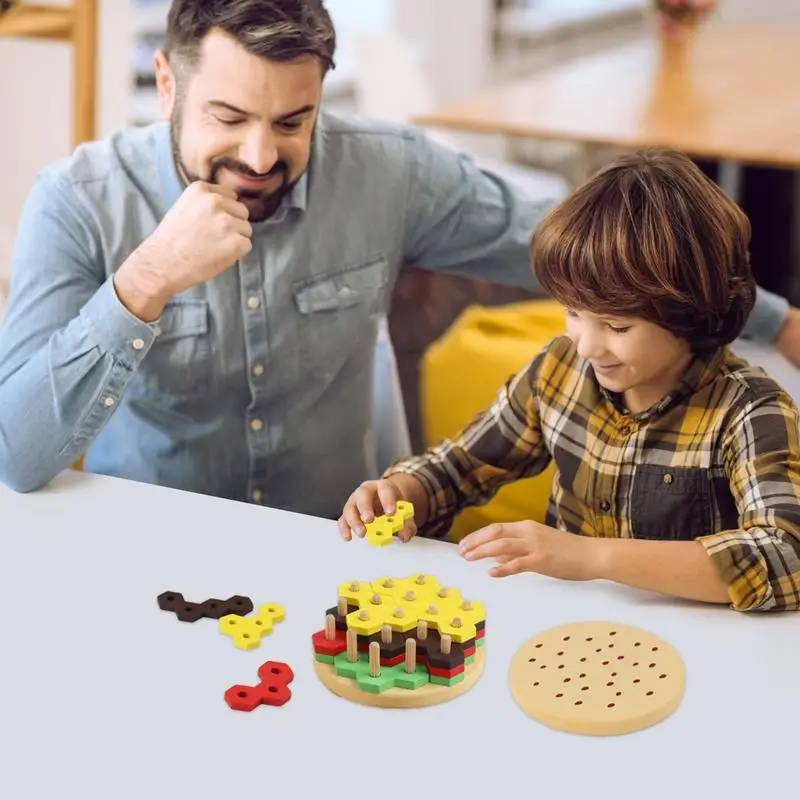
(37, 22)
(74, 24)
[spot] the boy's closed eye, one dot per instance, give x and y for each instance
(615, 325)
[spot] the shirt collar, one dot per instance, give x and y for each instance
(702, 370)
(172, 185)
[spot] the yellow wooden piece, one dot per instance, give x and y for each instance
(423, 588)
(381, 529)
(385, 586)
(356, 592)
(470, 611)
(246, 632)
(456, 628)
(369, 619)
(404, 616)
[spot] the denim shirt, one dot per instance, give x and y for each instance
(255, 386)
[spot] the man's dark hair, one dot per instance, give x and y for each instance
(278, 30)
(650, 236)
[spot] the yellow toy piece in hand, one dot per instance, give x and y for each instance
(381, 529)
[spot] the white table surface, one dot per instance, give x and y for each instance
(106, 696)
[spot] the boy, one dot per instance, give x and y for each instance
(677, 464)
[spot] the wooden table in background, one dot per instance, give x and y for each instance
(730, 93)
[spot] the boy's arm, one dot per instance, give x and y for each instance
(501, 445)
(754, 567)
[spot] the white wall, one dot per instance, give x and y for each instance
(36, 108)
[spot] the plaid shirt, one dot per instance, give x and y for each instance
(717, 461)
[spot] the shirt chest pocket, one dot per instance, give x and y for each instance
(672, 504)
(179, 361)
(336, 310)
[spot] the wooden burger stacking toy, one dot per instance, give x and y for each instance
(400, 643)
(597, 678)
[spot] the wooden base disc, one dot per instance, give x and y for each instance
(597, 678)
(427, 695)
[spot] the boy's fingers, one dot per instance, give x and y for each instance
(408, 533)
(365, 503)
(344, 529)
(387, 495)
(353, 518)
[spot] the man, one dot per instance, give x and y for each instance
(195, 304)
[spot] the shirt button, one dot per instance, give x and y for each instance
(253, 302)
(624, 430)
(668, 478)
(257, 496)
(256, 425)
(605, 506)
(345, 291)
(108, 402)
(258, 370)
(138, 344)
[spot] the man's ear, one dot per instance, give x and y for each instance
(165, 84)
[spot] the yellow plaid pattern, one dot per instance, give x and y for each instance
(717, 461)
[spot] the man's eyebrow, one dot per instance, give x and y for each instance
(221, 104)
(226, 106)
(297, 113)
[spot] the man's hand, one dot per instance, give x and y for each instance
(532, 547)
(201, 236)
(788, 340)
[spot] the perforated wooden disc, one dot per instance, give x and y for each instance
(597, 678)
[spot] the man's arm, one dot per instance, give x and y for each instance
(68, 347)
(470, 222)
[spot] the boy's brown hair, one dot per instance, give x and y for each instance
(650, 236)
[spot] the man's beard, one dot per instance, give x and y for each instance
(261, 204)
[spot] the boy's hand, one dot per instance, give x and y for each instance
(373, 499)
(532, 547)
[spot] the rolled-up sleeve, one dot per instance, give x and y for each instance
(760, 561)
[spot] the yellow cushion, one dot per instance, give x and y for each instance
(461, 374)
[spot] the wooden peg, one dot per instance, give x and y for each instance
(342, 607)
(352, 646)
(445, 645)
(399, 613)
(386, 634)
(375, 660)
(411, 655)
(388, 583)
(363, 614)
(421, 579)
(467, 605)
(443, 591)
(330, 627)
(410, 596)
(456, 623)
(376, 599)
(422, 630)
(354, 586)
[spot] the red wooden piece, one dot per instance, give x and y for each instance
(329, 647)
(272, 691)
